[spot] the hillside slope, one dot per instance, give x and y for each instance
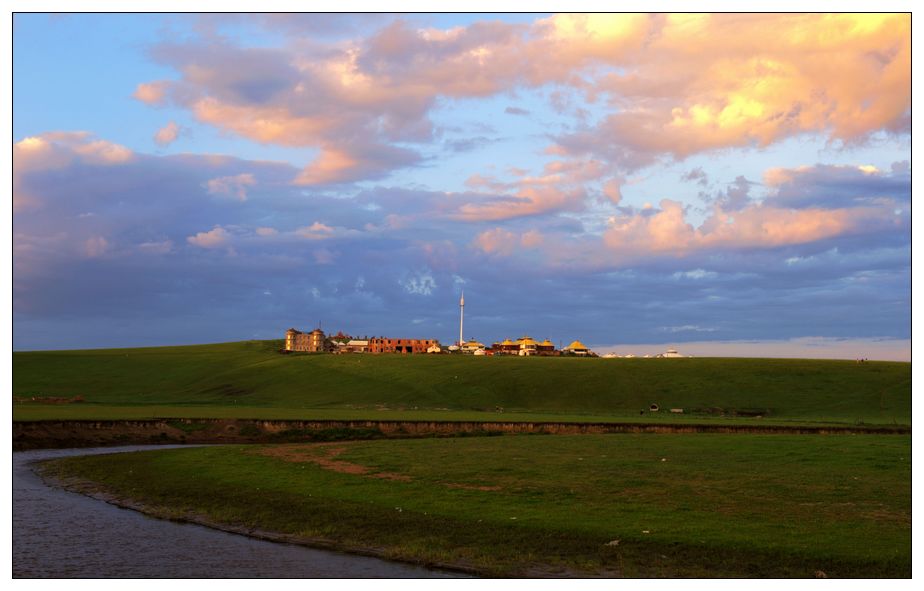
(253, 374)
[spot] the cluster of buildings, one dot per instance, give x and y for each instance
(317, 342)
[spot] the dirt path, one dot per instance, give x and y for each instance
(325, 455)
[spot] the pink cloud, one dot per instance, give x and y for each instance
(667, 232)
(266, 231)
(505, 242)
(316, 231)
(96, 246)
(217, 237)
(526, 202)
(612, 189)
(152, 93)
(231, 186)
(167, 134)
(559, 187)
(685, 84)
(726, 80)
(58, 150)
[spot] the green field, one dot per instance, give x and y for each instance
(252, 380)
(618, 505)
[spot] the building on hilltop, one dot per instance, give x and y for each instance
(357, 346)
(546, 348)
(386, 345)
(472, 347)
(524, 347)
(505, 347)
(310, 342)
(578, 348)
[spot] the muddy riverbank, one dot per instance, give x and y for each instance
(86, 433)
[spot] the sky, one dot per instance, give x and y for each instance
(725, 184)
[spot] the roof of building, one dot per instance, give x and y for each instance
(526, 341)
(473, 343)
(576, 345)
(508, 342)
(547, 343)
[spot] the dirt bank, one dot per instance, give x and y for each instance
(60, 434)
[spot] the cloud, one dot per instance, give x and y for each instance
(737, 195)
(696, 274)
(162, 247)
(266, 231)
(834, 186)
(421, 283)
(696, 175)
(152, 93)
(217, 237)
(613, 190)
(231, 186)
(560, 187)
(686, 328)
(504, 242)
(36, 156)
(670, 86)
(352, 163)
(818, 245)
(53, 150)
(96, 246)
(528, 201)
(516, 111)
(667, 232)
(705, 82)
(316, 231)
(323, 256)
(167, 134)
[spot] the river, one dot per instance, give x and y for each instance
(60, 534)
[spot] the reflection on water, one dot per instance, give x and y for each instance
(61, 534)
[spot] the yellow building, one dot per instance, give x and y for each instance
(311, 342)
(472, 347)
(577, 348)
(528, 347)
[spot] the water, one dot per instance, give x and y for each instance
(61, 534)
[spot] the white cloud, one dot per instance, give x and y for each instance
(156, 247)
(419, 284)
(695, 274)
(686, 328)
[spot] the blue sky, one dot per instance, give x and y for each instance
(627, 180)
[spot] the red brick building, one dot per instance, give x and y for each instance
(386, 345)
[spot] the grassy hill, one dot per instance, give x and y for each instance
(251, 379)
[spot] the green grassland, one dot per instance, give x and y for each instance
(631, 505)
(252, 380)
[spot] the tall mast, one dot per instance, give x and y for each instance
(461, 316)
